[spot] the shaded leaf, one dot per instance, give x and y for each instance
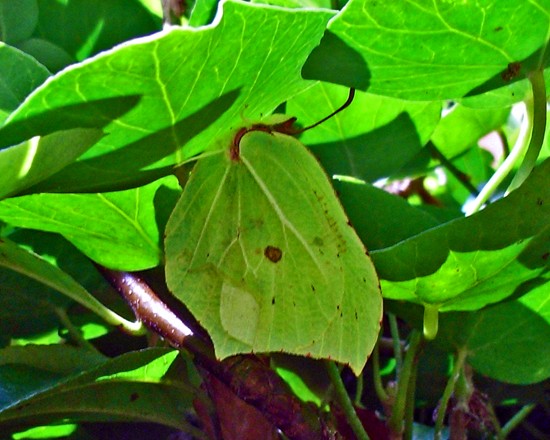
(17, 20)
(27, 263)
(119, 230)
(381, 219)
(260, 251)
(53, 57)
(470, 262)
(85, 27)
(21, 74)
(33, 161)
(41, 394)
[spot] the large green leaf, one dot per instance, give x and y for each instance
(121, 230)
(261, 252)
(372, 138)
(193, 86)
(470, 262)
(425, 49)
(48, 384)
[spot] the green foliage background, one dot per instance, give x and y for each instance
(96, 116)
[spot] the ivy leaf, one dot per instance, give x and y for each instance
(425, 50)
(120, 230)
(261, 252)
(198, 83)
(470, 262)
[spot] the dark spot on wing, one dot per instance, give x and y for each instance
(273, 254)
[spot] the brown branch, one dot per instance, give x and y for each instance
(247, 376)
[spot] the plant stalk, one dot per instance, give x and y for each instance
(447, 393)
(515, 421)
(398, 412)
(345, 402)
(396, 339)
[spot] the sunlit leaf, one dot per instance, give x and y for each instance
(121, 230)
(425, 49)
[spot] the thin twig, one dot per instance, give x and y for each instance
(397, 348)
(447, 393)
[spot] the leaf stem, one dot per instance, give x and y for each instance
(538, 85)
(459, 175)
(396, 339)
(515, 421)
(528, 144)
(359, 390)
(74, 333)
(345, 401)
(447, 393)
(398, 412)
(326, 118)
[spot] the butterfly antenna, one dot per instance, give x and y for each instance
(338, 110)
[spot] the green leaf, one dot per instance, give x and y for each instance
(28, 163)
(261, 252)
(371, 139)
(14, 88)
(47, 53)
(195, 86)
(27, 263)
(439, 49)
(381, 219)
(121, 230)
(17, 20)
(471, 262)
(85, 27)
(42, 392)
(27, 305)
(509, 342)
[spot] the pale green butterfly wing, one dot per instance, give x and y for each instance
(261, 252)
